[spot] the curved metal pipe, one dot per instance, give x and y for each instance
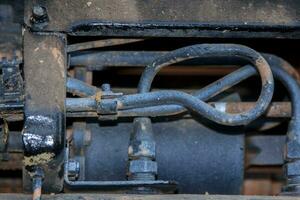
(188, 101)
(281, 70)
(80, 104)
(217, 50)
(203, 94)
(80, 88)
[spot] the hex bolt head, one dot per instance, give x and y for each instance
(39, 18)
(143, 166)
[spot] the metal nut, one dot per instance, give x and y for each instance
(142, 166)
(39, 18)
(73, 170)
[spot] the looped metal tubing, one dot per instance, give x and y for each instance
(218, 50)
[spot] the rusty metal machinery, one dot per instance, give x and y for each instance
(79, 112)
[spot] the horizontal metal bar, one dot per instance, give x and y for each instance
(91, 196)
(276, 109)
(188, 18)
(100, 44)
(99, 60)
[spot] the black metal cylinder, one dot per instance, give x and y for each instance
(200, 157)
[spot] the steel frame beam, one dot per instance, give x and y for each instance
(188, 18)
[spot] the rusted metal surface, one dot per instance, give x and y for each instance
(290, 70)
(263, 186)
(275, 109)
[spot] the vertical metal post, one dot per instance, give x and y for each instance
(45, 92)
(81, 135)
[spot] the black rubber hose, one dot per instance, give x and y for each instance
(215, 50)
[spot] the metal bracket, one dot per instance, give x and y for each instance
(166, 186)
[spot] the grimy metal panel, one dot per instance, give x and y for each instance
(184, 18)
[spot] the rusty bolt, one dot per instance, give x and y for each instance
(39, 17)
